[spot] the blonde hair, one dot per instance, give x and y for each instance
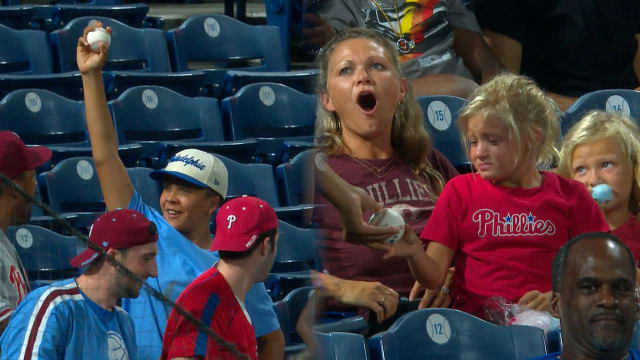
(523, 107)
(600, 125)
(408, 136)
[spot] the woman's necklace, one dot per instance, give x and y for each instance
(379, 172)
(403, 43)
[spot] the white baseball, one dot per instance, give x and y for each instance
(98, 36)
(388, 218)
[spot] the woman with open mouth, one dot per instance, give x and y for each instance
(371, 129)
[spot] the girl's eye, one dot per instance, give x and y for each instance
(579, 170)
(377, 66)
(607, 164)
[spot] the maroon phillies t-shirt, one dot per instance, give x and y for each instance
(400, 189)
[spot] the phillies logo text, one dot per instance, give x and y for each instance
(511, 224)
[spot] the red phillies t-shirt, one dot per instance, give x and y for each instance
(505, 238)
(209, 299)
(400, 189)
(629, 233)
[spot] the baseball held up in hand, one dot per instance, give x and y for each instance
(388, 218)
(97, 37)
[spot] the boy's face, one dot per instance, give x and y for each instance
(185, 206)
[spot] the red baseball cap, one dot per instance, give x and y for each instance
(16, 157)
(240, 221)
(118, 229)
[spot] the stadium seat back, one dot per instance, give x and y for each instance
(43, 117)
(440, 114)
(455, 335)
(624, 101)
(221, 41)
(44, 253)
(72, 186)
(24, 52)
(154, 113)
(132, 48)
(340, 346)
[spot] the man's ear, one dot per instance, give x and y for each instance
(554, 305)
(214, 202)
(265, 248)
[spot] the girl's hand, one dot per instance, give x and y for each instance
(88, 60)
(408, 245)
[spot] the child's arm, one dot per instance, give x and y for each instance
(429, 268)
(114, 181)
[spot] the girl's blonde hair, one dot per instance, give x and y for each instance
(600, 125)
(524, 108)
(408, 136)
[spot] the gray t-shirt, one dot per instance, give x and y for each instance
(427, 23)
(13, 279)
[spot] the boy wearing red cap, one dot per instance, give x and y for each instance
(79, 318)
(18, 163)
(246, 238)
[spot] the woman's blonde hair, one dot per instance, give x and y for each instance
(408, 136)
(600, 125)
(524, 108)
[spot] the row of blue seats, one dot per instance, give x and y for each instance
(192, 58)
(72, 187)
(164, 121)
(52, 17)
(265, 121)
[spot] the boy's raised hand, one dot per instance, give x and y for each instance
(87, 59)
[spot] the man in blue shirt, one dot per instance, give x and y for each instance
(594, 282)
(78, 318)
(194, 184)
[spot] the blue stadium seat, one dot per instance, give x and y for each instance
(9, 2)
(188, 83)
(24, 52)
(148, 188)
(92, 2)
(340, 346)
(620, 100)
(130, 14)
(67, 84)
(216, 42)
(271, 113)
(42, 117)
(17, 17)
(454, 335)
(440, 114)
(44, 253)
(288, 311)
(72, 187)
(295, 179)
(301, 80)
(134, 49)
(258, 180)
(296, 255)
(162, 119)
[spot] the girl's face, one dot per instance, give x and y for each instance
(492, 151)
(363, 88)
(603, 162)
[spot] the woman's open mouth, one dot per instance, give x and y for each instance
(367, 101)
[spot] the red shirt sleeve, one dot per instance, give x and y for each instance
(444, 222)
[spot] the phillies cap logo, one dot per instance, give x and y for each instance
(231, 219)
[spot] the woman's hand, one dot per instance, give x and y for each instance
(354, 229)
(88, 60)
(407, 246)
